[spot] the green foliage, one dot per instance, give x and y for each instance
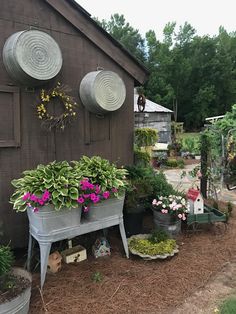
(59, 178)
(97, 276)
(145, 185)
(145, 137)
(139, 189)
(229, 208)
(145, 246)
(195, 73)
(158, 236)
(102, 172)
(6, 260)
(62, 180)
(174, 163)
(141, 158)
(228, 306)
(129, 37)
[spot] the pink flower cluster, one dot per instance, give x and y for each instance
(92, 194)
(174, 205)
(33, 201)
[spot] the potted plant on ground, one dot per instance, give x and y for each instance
(102, 190)
(138, 191)
(168, 212)
(49, 193)
(15, 285)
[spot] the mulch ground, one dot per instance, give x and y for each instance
(134, 285)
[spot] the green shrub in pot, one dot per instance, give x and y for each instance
(15, 284)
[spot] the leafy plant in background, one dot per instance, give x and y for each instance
(144, 138)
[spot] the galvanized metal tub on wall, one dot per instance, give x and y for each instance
(102, 91)
(32, 57)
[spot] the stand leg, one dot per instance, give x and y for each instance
(44, 254)
(30, 249)
(123, 236)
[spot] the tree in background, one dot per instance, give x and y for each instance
(194, 75)
(129, 37)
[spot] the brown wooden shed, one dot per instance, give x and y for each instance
(24, 144)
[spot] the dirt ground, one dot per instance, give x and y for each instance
(193, 281)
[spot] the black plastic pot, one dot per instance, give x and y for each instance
(133, 223)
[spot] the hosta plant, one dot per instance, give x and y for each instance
(102, 172)
(56, 183)
(68, 184)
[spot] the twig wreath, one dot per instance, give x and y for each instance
(58, 93)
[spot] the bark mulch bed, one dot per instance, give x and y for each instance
(134, 285)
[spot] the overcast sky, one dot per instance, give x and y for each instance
(204, 15)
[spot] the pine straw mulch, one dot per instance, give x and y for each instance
(134, 285)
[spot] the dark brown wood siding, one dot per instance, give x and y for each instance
(110, 136)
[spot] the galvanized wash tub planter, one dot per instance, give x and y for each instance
(47, 220)
(166, 222)
(20, 304)
(32, 57)
(102, 91)
(107, 208)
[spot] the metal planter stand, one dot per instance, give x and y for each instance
(45, 239)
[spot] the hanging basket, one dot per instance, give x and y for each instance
(32, 57)
(102, 91)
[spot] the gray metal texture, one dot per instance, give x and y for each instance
(102, 91)
(107, 208)
(47, 220)
(32, 57)
(165, 222)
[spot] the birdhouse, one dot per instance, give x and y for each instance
(101, 247)
(74, 254)
(195, 200)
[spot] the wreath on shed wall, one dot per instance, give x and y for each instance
(59, 95)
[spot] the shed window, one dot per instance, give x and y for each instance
(9, 116)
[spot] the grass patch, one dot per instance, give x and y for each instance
(188, 134)
(228, 306)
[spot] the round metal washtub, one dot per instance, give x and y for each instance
(32, 57)
(102, 91)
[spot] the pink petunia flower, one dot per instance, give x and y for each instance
(86, 209)
(80, 200)
(106, 194)
(26, 196)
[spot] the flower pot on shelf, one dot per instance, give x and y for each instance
(167, 223)
(47, 220)
(106, 208)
